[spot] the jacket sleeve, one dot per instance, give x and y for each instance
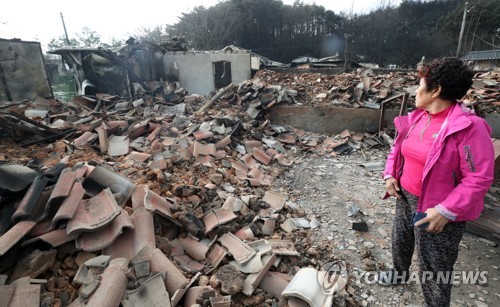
(477, 167)
(389, 164)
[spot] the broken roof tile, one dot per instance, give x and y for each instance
(180, 293)
(204, 150)
(55, 238)
(256, 263)
(15, 178)
(202, 135)
(194, 248)
(198, 293)
(261, 156)
(101, 178)
(139, 195)
(32, 206)
(159, 164)
(217, 217)
(216, 255)
(174, 279)
(205, 159)
(160, 205)
(293, 224)
(144, 234)
(6, 294)
(221, 301)
(223, 142)
(41, 228)
(249, 161)
(274, 283)
(239, 166)
(189, 264)
(26, 295)
(283, 247)
(94, 213)
(111, 288)
(122, 247)
(240, 251)
(224, 215)
(84, 139)
(151, 292)
(269, 226)
(68, 207)
(251, 145)
(118, 145)
(169, 141)
(139, 156)
(185, 154)
(283, 160)
(275, 200)
(14, 235)
(302, 288)
(102, 132)
(256, 173)
(287, 138)
(253, 280)
(177, 249)
(221, 154)
(152, 136)
(245, 233)
(210, 220)
(94, 241)
(256, 182)
(233, 203)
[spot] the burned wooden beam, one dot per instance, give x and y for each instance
(214, 99)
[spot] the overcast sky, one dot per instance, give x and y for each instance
(37, 20)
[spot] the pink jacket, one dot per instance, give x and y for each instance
(459, 168)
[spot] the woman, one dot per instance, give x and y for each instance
(441, 164)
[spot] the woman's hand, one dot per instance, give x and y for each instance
(435, 219)
(392, 187)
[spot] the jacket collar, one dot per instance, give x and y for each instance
(457, 119)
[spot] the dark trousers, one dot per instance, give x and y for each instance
(437, 252)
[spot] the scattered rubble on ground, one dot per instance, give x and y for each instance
(365, 88)
(170, 198)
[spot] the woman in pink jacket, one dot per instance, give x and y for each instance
(441, 166)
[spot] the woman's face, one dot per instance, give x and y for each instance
(423, 97)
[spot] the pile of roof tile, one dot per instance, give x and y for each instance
(152, 201)
(485, 92)
(364, 88)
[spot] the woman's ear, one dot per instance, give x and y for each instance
(436, 92)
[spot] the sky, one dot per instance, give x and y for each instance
(35, 20)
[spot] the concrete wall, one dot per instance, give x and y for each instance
(195, 69)
(330, 120)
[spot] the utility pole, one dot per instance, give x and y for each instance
(65, 32)
(462, 29)
(347, 65)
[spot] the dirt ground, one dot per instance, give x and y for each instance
(326, 187)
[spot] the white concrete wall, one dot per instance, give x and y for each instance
(195, 69)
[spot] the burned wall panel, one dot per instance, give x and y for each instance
(22, 71)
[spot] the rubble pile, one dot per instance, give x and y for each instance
(363, 88)
(166, 199)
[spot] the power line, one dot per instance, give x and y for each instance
(488, 43)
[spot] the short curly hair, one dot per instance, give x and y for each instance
(454, 77)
